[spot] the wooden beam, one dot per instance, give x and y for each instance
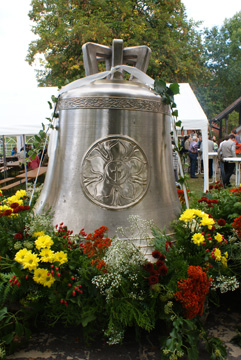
(16, 183)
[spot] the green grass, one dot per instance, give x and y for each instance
(196, 186)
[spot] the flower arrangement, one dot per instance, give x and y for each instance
(108, 285)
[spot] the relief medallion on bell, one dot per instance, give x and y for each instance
(115, 172)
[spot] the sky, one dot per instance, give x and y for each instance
(211, 12)
(15, 34)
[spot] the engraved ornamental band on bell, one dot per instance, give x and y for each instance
(110, 155)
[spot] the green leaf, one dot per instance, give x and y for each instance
(3, 313)
(8, 338)
(192, 352)
(17, 271)
(87, 318)
(37, 137)
(160, 86)
(175, 113)
(175, 88)
(178, 123)
(19, 329)
(50, 105)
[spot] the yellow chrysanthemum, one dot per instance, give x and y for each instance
(39, 233)
(4, 207)
(30, 261)
(218, 237)
(47, 255)
(226, 254)
(207, 221)
(11, 199)
(40, 275)
(198, 239)
(1, 192)
(43, 242)
(20, 255)
(49, 280)
(224, 261)
(60, 257)
(217, 254)
(20, 193)
(199, 213)
(187, 215)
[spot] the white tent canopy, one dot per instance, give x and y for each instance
(193, 117)
(24, 110)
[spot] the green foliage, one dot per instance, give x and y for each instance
(167, 93)
(215, 347)
(184, 337)
(223, 52)
(63, 28)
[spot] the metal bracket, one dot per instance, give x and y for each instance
(137, 56)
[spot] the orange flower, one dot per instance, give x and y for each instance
(96, 246)
(193, 291)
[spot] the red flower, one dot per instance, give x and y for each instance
(181, 197)
(163, 270)
(26, 207)
(237, 225)
(156, 254)
(149, 267)
(221, 222)
(18, 236)
(154, 273)
(159, 263)
(168, 245)
(153, 280)
(7, 212)
(14, 205)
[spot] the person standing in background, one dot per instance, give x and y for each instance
(228, 150)
(14, 151)
(187, 142)
(238, 143)
(214, 139)
(237, 137)
(221, 163)
(210, 158)
(192, 152)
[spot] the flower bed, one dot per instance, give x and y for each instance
(51, 276)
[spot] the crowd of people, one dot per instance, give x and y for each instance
(25, 153)
(228, 147)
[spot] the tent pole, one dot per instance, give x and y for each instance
(4, 158)
(25, 164)
(175, 137)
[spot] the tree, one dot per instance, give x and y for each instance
(223, 53)
(64, 26)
